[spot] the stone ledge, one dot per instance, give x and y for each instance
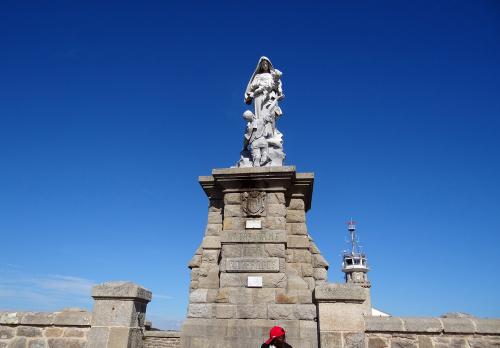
(163, 334)
(339, 293)
(458, 325)
(71, 317)
(121, 290)
(253, 170)
(433, 325)
(383, 324)
(427, 325)
(487, 326)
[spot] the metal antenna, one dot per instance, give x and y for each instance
(351, 226)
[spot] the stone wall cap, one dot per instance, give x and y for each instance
(383, 324)
(166, 334)
(121, 289)
(71, 317)
(487, 326)
(422, 324)
(339, 293)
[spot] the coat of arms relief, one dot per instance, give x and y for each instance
(253, 203)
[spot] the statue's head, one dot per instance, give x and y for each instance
(264, 66)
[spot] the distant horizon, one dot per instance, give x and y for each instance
(109, 112)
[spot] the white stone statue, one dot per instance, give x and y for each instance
(263, 144)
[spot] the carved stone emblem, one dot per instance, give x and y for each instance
(253, 203)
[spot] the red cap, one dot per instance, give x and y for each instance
(276, 331)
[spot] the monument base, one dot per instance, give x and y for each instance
(245, 333)
(257, 266)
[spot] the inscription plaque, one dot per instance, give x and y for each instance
(255, 236)
(252, 264)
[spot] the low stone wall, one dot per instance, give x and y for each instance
(162, 339)
(67, 328)
(383, 332)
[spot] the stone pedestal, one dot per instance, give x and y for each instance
(118, 315)
(341, 312)
(257, 265)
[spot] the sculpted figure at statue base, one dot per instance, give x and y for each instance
(262, 142)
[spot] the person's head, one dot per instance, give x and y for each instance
(248, 115)
(277, 337)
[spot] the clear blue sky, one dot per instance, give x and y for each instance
(109, 111)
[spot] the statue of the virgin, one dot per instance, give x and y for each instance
(263, 144)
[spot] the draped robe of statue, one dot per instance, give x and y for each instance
(265, 90)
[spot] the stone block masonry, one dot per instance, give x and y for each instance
(256, 228)
(68, 328)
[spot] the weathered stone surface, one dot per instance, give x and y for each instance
(339, 292)
(299, 255)
(425, 342)
(291, 311)
(210, 256)
(250, 265)
(311, 282)
(28, 331)
(307, 270)
(233, 223)
(384, 324)
(214, 217)
(11, 317)
(224, 311)
(313, 248)
(320, 273)
(401, 342)
(73, 332)
(67, 343)
(233, 210)
(269, 280)
(121, 289)
(213, 230)
(198, 296)
(274, 236)
(274, 223)
(232, 198)
(331, 339)
(73, 318)
(275, 250)
(295, 215)
(487, 326)
(276, 198)
(17, 342)
(211, 280)
(378, 342)
(37, 343)
(296, 228)
(37, 318)
(6, 332)
(296, 283)
(53, 332)
(422, 325)
(296, 204)
(254, 311)
(197, 310)
(276, 210)
(295, 241)
(458, 325)
(319, 261)
(354, 340)
(211, 242)
(195, 261)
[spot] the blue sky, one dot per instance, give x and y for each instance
(109, 111)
